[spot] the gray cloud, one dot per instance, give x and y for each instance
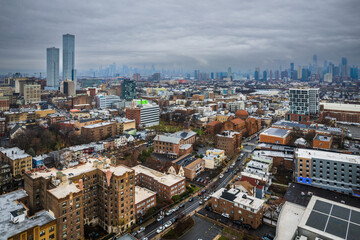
(208, 35)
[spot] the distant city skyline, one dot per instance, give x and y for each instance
(181, 35)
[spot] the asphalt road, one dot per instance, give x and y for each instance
(203, 229)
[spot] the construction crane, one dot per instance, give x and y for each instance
(39, 74)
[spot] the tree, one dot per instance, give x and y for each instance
(176, 198)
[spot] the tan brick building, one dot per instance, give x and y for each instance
(16, 222)
(229, 141)
(240, 206)
(175, 144)
(144, 200)
(19, 161)
(91, 193)
(165, 185)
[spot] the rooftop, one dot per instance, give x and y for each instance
(100, 124)
(288, 221)
(184, 134)
(341, 107)
(326, 155)
(331, 220)
(9, 205)
(166, 179)
(170, 139)
(277, 132)
(323, 138)
(236, 196)
(14, 153)
(142, 193)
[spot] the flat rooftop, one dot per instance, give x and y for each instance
(289, 218)
(331, 220)
(142, 193)
(236, 196)
(100, 124)
(326, 155)
(166, 179)
(341, 107)
(276, 132)
(14, 153)
(83, 168)
(9, 204)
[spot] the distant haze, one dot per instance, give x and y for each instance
(197, 34)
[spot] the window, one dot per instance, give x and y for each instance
(51, 229)
(42, 233)
(64, 204)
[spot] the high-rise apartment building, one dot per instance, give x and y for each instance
(128, 89)
(344, 67)
(32, 93)
(69, 71)
(52, 67)
(304, 103)
(94, 192)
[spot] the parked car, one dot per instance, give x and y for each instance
(191, 199)
(141, 229)
(225, 215)
(176, 208)
(168, 224)
(169, 212)
(237, 222)
(145, 238)
(200, 202)
(221, 175)
(161, 217)
(209, 208)
(227, 170)
(270, 236)
(207, 198)
(160, 229)
(182, 205)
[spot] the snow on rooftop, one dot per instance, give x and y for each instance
(8, 204)
(14, 153)
(278, 132)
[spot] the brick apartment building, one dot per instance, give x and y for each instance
(189, 165)
(91, 193)
(229, 141)
(144, 200)
(19, 161)
(175, 144)
(4, 104)
(165, 185)
(240, 206)
(102, 130)
(214, 127)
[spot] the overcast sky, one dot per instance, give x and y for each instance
(199, 34)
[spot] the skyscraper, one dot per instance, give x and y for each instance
(264, 76)
(69, 71)
(52, 67)
(344, 67)
(315, 61)
(257, 73)
(292, 71)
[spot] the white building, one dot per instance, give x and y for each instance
(106, 101)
